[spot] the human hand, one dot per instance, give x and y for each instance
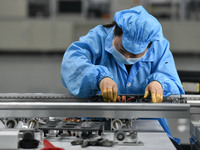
(108, 89)
(156, 91)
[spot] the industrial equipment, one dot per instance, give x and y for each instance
(69, 122)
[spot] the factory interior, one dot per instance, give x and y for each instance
(34, 35)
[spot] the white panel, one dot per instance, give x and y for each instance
(183, 36)
(48, 35)
(13, 8)
(42, 34)
(9, 139)
(180, 128)
(63, 35)
(118, 5)
(14, 35)
(81, 29)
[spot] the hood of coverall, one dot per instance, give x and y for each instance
(139, 29)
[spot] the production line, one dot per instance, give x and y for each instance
(61, 119)
(119, 60)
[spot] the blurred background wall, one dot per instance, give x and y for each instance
(34, 35)
(51, 25)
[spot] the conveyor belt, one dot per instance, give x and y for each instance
(60, 97)
(39, 97)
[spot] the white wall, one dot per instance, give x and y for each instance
(20, 33)
(118, 5)
(184, 37)
(30, 35)
(50, 35)
(13, 8)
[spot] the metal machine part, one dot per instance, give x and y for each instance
(126, 130)
(151, 140)
(59, 97)
(195, 129)
(93, 141)
(105, 110)
(44, 105)
(73, 128)
(41, 105)
(195, 135)
(116, 124)
(127, 137)
(124, 133)
(16, 138)
(11, 123)
(28, 141)
(87, 109)
(32, 124)
(119, 136)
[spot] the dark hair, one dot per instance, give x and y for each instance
(149, 45)
(110, 25)
(118, 31)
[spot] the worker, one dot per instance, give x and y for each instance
(130, 56)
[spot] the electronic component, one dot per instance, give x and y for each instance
(75, 128)
(123, 98)
(140, 99)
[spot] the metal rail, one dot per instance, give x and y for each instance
(107, 110)
(63, 105)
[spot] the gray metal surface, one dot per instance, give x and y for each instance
(147, 126)
(195, 130)
(63, 97)
(65, 105)
(153, 138)
(151, 141)
(86, 109)
(195, 135)
(193, 100)
(9, 139)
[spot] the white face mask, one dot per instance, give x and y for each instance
(122, 59)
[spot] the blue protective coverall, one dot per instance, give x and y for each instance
(87, 61)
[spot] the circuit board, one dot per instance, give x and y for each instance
(140, 99)
(73, 127)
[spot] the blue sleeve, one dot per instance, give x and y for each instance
(79, 73)
(164, 70)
